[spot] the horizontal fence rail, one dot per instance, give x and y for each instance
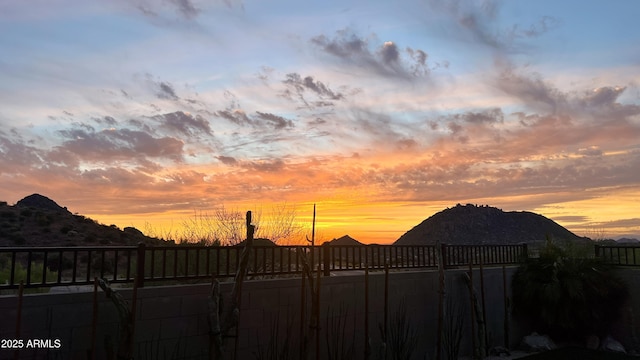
(66, 266)
(56, 266)
(456, 255)
(623, 255)
(376, 257)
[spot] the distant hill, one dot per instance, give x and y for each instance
(37, 220)
(471, 224)
(41, 202)
(345, 240)
(627, 241)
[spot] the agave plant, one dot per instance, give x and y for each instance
(567, 297)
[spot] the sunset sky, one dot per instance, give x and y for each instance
(144, 112)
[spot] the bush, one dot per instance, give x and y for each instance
(17, 238)
(43, 219)
(21, 273)
(7, 214)
(55, 263)
(65, 229)
(567, 297)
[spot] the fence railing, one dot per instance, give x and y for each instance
(455, 255)
(64, 266)
(623, 255)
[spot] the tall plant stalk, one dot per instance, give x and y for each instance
(277, 348)
(452, 330)
(219, 326)
(339, 345)
(403, 337)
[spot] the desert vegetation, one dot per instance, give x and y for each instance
(225, 226)
(567, 295)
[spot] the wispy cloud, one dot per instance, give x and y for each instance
(183, 8)
(117, 144)
(184, 123)
(277, 122)
(299, 88)
(531, 90)
(379, 58)
(478, 22)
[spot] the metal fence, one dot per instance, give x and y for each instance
(623, 255)
(64, 266)
(456, 255)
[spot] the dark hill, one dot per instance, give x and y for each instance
(37, 220)
(345, 240)
(41, 202)
(627, 241)
(470, 224)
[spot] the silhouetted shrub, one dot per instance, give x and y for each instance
(21, 273)
(7, 214)
(56, 263)
(17, 238)
(43, 219)
(97, 265)
(566, 297)
(65, 229)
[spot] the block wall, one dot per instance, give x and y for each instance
(171, 321)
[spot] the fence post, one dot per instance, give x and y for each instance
(525, 251)
(597, 250)
(443, 255)
(140, 256)
(326, 259)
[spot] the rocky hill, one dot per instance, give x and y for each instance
(41, 202)
(345, 240)
(470, 224)
(37, 220)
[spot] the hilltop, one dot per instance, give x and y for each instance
(41, 202)
(471, 224)
(37, 220)
(345, 240)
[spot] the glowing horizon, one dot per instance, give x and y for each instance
(138, 113)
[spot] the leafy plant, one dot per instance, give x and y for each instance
(567, 297)
(20, 274)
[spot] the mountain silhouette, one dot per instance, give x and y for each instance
(37, 220)
(480, 225)
(41, 202)
(345, 240)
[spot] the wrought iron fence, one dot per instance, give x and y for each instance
(623, 255)
(456, 255)
(63, 266)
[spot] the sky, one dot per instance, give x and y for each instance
(145, 112)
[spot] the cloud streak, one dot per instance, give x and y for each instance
(386, 59)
